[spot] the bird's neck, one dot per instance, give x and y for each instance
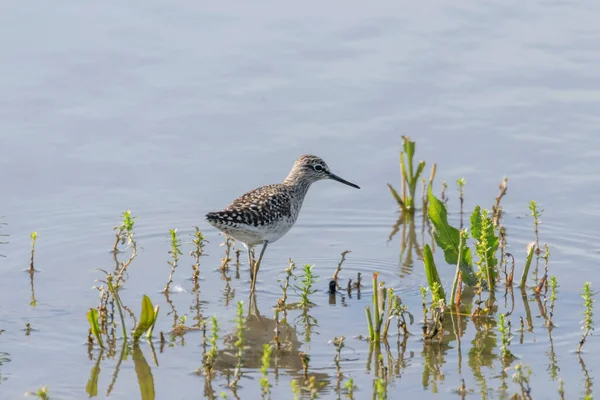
(298, 184)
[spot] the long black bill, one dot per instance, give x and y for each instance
(345, 182)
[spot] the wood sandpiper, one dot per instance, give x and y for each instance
(264, 215)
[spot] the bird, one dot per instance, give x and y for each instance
(264, 215)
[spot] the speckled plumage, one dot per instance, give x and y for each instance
(264, 215)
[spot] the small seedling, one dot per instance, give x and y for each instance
(400, 312)
(125, 235)
(125, 231)
(289, 274)
(553, 289)
(546, 258)
(175, 252)
(33, 236)
(211, 356)
(229, 243)
(536, 213)
(587, 323)
(198, 241)
(306, 288)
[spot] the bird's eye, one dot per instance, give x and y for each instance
(318, 167)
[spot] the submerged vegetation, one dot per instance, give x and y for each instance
(249, 351)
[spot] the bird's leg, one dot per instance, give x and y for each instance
(250, 263)
(257, 266)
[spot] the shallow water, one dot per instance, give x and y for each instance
(172, 109)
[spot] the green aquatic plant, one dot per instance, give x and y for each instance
(410, 177)
(305, 290)
(385, 305)
(289, 274)
(433, 278)
(211, 356)
(536, 213)
(198, 241)
(174, 252)
(147, 320)
(553, 290)
(126, 236)
(34, 237)
(92, 317)
(588, 322)
(401, 313)
(486, 246)
(125, 232)
(448, 239)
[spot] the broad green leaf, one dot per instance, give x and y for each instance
(92, 317)
(448, 239)
(476, 223)
(146, 318)
(433, 278)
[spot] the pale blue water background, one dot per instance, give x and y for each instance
(173, 109)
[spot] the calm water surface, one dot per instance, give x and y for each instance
(174, 108)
